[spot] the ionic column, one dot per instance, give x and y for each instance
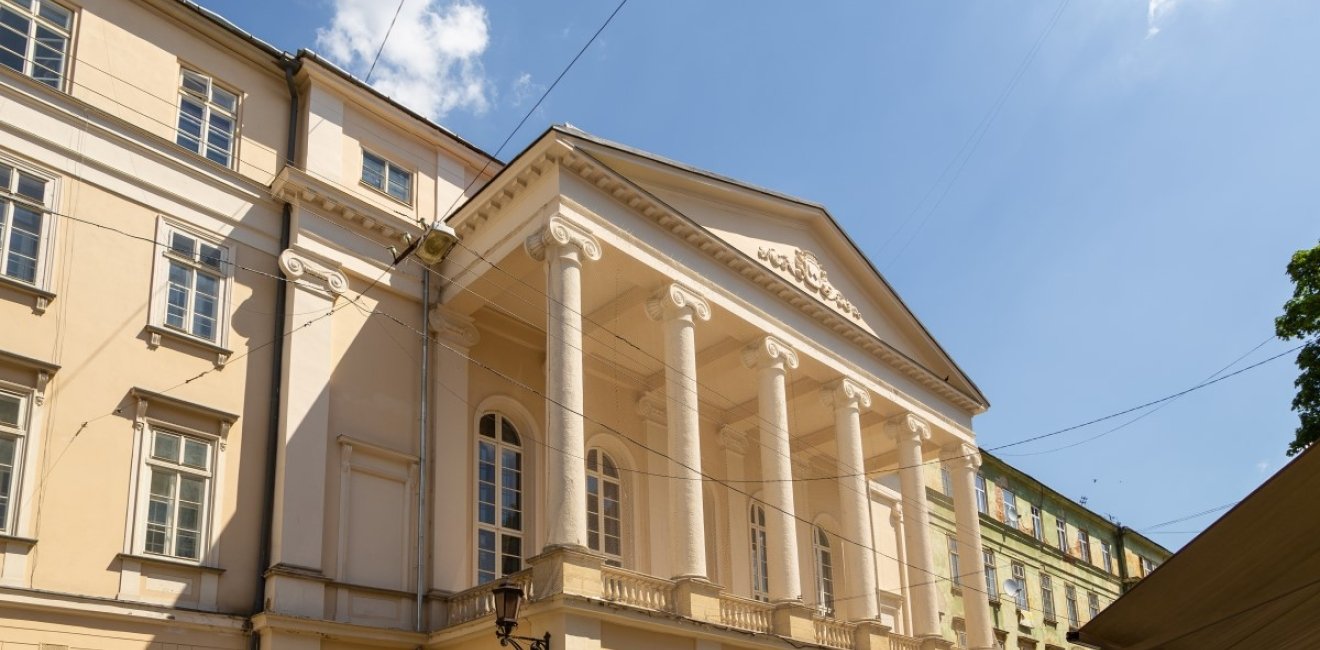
(563, 246)
(963, 461)
(679, 308)
(773, 358)
(847, 398)
(908, 432)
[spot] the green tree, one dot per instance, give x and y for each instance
(1301, 320)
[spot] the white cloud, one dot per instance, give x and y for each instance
(1263, 467)
(432, 60)
(523, 89)
(1158, 12)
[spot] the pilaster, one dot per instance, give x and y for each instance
(451, 432)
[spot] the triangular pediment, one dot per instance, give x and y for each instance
(797, 240)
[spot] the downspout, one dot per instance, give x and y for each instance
(422, 446)
(1122, 560)
(290, 66)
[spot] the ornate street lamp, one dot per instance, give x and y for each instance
(508, 598)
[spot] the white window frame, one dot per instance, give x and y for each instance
(41, 275)
(822, 551)
(1061, 531)
(1084, 545)
(760, 564)
(991, 574)
(1047, 598)
(19, 434)
(1070, 599)
(149, 464)
(1019, 571)
(955, 568)
(1037, 524)
(1010, 508)
(596, 540)
(389, 165)
(982, 496)
(1107, 556)
(33, 14)
(498, 529)
(164, 257)
(209, 106)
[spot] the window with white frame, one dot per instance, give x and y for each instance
(1070, 596)
(1010, 508)
(1107, 556)
(208, 117)
(1061, 529)
(1046, 597)
(13, 430)
(1037, 527)
(982, 502)
(955, 571)
(24, 197)
(991, 574)
(177, 475)
(34, 39)
(500, 527)
(760, 566)
(820, 546)
(1020, 577)
(193, 284)
(946, 482)
(604, 511)
(1147, 566)
(1093, 605)
(387, 177)
(1084, 545)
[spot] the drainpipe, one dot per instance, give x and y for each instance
(290, 66)
(422, 446)
(1122, 560)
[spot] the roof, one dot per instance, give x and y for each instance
(1250, 580)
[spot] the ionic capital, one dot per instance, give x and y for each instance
(961, 456)
(675, 301)
(733, 440)
(560, 236)
(907, 426)
(769, 352)
(300, 266)
(652, 406)
(453, 327)
(845, 394)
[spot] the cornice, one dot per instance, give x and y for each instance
(560, 154)
(296, 185)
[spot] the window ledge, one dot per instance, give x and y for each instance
(160, 560)
(155, 333)
(29, 542)
(41, 297)
(379, 192)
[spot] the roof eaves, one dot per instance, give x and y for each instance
(224, 23)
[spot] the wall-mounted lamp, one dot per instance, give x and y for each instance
(508, 598)
(433, 246)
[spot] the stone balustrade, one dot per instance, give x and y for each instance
(900, 642)
(746, 614)
(479, 601)
(834, 633)
(636, 589)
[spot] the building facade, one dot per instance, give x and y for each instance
(679, 410)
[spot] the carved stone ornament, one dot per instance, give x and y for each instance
(767, 352)
(298, 266)
(906, 425)
(452, 327)
(652, 406)
(805, 268)
(676, 300)
(559, 232)
(845, 393)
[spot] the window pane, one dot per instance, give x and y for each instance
(32, 187)
(6, 174)
(211, 256)
(196, 453)
(487, 425)
(224, 99)
(510, 554)
(400, 184)
(7, 450)
(10, 408)
(186, 545)
(373, 171)
(166, 448)
(195, 83)
(54, 13)
(13, 38)
(24, 244)
(509, 434)
(48, 56)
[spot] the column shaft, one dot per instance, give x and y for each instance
(848, 399)
(963, 461)
(772, 358)
(908, 432)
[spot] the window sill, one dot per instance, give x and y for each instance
(155, 333)
(41, 297)
(161, 560)
(28, 542)
(379, 192)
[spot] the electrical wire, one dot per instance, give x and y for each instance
(383, 41)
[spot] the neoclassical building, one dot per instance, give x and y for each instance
(677, 410)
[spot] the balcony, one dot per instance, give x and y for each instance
(566, 579)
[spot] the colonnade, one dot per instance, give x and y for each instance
(564, 247)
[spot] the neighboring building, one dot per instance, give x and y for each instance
(652, 395)
(1068, 562)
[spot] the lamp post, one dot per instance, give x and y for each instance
(508, 598)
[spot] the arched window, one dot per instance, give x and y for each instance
(824, 570)
(604, 507)
(760, 569)
(499, 498)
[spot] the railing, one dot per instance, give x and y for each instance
(835, 634)
(636, 589)
(900, 642)
(745, 614)
(478, 601)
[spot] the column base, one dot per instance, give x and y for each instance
(795, 621)
(936, 643)
(871, 634)
(697, 599)
(566, 569)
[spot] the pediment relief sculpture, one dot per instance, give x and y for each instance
(805, 268)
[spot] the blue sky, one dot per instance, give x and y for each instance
(1118, 233)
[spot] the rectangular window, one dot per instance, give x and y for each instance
(1093, 604)
(955, 573)
(946, 482)
(24, 197)
(1010, 508)
(1020, 578)
(208, 118)
(982, 503)
(13, 427)
(991, 574)
(178, 476)
(1147, 567)
(1084, 545)
(1037, 528)
(387, 177)
(34, 39)
(1046, 597)
(1070, 596)
(760, 562)
(193, 279)
(1062, 529)
(1106, 556)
